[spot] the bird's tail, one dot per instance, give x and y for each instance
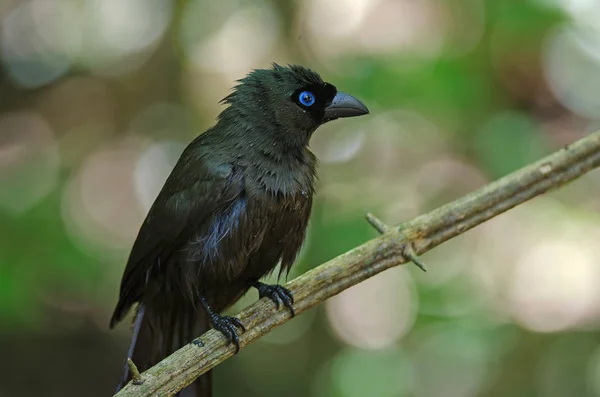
(158, 332)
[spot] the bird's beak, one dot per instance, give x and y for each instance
(344, 105)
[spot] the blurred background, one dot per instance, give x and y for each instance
(99, 97)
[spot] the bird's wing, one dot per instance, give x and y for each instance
(192, 193)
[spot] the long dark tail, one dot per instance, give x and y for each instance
(158, 333)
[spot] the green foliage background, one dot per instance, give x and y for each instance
(442, 124)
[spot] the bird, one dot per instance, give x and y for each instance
(235, 206)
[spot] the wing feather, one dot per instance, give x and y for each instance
(196, 188)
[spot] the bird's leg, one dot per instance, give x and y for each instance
(224, 324)
(277, 294)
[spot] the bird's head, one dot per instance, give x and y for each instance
(289, 103)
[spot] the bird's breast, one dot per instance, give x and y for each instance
(248, 237)
(287, 176)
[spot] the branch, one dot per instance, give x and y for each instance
(391, 249)
(136, 378)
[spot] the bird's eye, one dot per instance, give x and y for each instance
(306, 98)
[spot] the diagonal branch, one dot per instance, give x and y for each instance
(409, 239)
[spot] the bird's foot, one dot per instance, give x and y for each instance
(276, 293)
(227, 325)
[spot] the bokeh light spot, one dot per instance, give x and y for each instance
(29, 160)
(554, 286)
(244, 39)
(100, 205)
(152, 169)
(27, 58)
(375, 313)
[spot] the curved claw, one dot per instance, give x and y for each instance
(238, 323)
(278, 295)
(226, 325)
(285, 296)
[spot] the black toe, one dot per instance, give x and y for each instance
(277, 294)
(226, 325)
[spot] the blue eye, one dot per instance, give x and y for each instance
(306, 98)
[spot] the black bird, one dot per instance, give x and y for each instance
(236, 204)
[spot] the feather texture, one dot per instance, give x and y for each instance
(236, 205)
